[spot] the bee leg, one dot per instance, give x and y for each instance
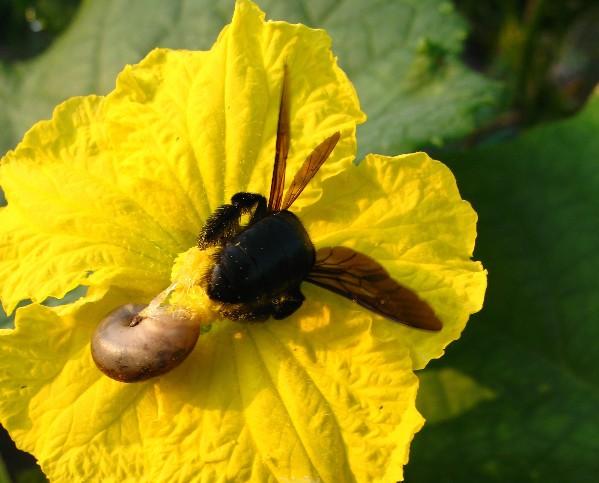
(285, 304)
(245, 314)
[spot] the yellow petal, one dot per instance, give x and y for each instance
(217, 112)
(70, 218)
(406, 212)
(322, 399)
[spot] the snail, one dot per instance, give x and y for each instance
(136, 342)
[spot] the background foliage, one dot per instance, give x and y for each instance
(484, 86)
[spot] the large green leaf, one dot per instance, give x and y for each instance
(517, 399)
(401, 55)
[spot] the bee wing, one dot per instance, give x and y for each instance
(363, 280)
(310, 167)
(282, 149)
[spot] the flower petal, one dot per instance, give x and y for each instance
(53, 403)
(406, 212)
(218, 111)
(254, 402)
(70, 220)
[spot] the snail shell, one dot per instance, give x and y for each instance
(134, 342)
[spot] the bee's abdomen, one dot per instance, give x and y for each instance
(270, 257)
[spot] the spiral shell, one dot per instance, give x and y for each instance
(135, 343)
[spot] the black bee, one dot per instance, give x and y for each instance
(260, 266)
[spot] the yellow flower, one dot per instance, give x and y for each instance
(111, 191)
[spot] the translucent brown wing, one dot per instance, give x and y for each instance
(282, 149)
(310, 167)
(363, 280)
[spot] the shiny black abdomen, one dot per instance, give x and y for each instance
(268, 258)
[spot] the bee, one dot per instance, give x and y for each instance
(260, 266)
(257, 272)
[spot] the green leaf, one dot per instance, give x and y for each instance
(4, 476)
(530, 409)
(402, 56)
